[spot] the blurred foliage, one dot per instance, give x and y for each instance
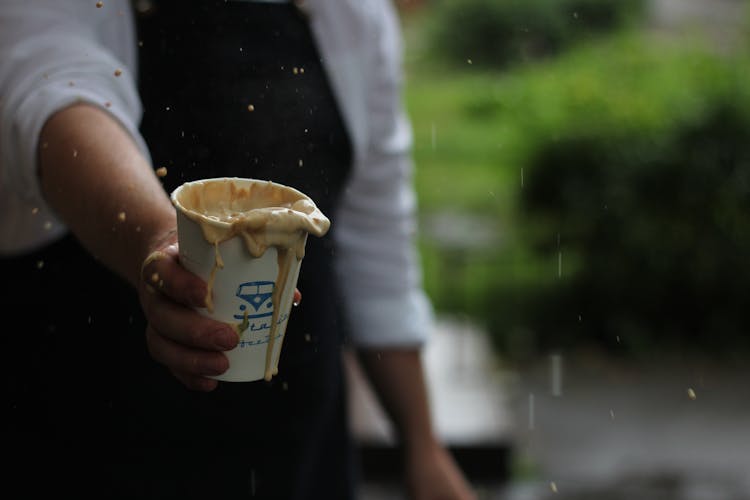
(616, 176)
(497, 33)
(656, 231)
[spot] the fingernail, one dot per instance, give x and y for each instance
(216, 368)
(225, 339)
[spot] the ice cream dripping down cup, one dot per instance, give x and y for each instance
(246, 239)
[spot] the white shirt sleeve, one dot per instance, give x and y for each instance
(375, 229)
(377, 262)
(54, 53)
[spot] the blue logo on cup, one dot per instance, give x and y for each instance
(257, 299)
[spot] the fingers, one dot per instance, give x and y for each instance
(194, 383)
(162, 271)
(189, 344)
(186, 326)
(190, 366)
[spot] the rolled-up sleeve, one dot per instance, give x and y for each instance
(375, 229)
(54, 53)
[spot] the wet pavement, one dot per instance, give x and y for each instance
(597, 428)
(593, 428)
(722, 21)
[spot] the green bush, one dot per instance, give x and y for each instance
(649, 227)
(617, 175)
(660, 233)
(497, 33)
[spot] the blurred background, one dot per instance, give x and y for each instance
(583, 173)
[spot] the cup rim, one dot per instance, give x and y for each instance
(244, 180)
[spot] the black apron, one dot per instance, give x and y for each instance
(88, 404)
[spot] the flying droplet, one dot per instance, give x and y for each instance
(553, 486)
(252, 482)
(300, 162)
(250, 107)
(99, 5)
(121, 216)
(531, 411)
(39, 264)
(75, 153)
(556, 375)
(161, 171)
(155, 278)
(469, 61)
(691, 393)
(118, 72)
(34, 210)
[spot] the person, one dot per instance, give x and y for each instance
(106, 107)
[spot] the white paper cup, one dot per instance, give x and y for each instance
(245, 238)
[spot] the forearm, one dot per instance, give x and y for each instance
(96, 179)
(397, 375)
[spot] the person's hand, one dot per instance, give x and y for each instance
(432, 474)
(189, 344)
